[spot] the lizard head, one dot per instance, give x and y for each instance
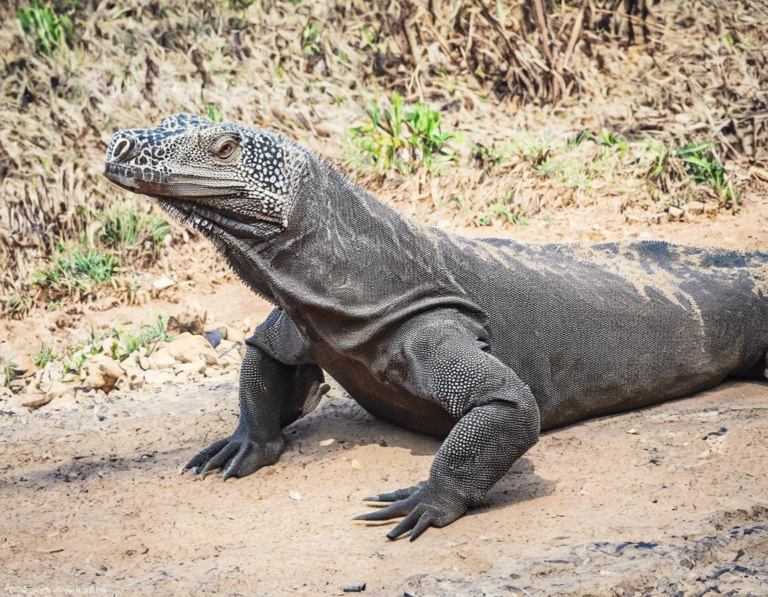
(212, 176)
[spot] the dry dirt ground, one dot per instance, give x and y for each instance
(670, 500)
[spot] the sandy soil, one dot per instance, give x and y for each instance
(677, 508)
(93, 501)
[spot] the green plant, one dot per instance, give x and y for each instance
(661, 156)
(570, 172)
(77, 356)
(49, 30)
(126, 228)
(509, 210)
(8, 367)
(240, 4)
(310, 38)
(17, 306)
(148, 337)
(531, 149)
(483, 220)
(76, 270)
(45, 356)
(492, 155)
(400, 137)
(610, 139)
(702, 165)
(214, 113)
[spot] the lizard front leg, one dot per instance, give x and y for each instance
(499, 423)
(273, 394)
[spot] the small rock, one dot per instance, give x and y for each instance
(223, 331)
(211, 372)
(295, 495)
(633, 431)
(675, 213)
(177, 326)
(230, 359)
(658, 218)
(327, 442)
(154, 377)
(61, 397)
(134, 377)
(687, 564)
(58, 390)
(694, 208)
(161, 359)
(356, 464)
(102, 372)
(188, 348)
(16, 401)
(53, 371)
(235, 335)
(106, 345)
(226, 346)
(214, 338)
(33, 401)
(356, 588)
(162, 283)
(197, 366)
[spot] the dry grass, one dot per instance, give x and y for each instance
(528, 76)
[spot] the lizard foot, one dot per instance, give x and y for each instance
(421, 506)
(237, 456)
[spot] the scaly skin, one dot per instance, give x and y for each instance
(485, 342)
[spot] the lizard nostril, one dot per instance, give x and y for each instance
(122, 150)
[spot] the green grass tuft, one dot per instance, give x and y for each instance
(149, 335)
(126, 228)
(45, 356)
(8, 366)
(49, 30)
(75, 270)
(703, 166)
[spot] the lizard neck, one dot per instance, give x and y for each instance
(349, 267)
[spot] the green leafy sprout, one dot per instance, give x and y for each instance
(310, 38)
(400, 137)
(213, 112)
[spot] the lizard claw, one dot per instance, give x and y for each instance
(394, 496)
(421, 507)
(237, 456)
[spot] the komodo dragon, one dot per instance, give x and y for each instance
(485, 342)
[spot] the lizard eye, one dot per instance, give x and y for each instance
(226, 149)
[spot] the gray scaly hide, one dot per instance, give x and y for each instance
(485, 342)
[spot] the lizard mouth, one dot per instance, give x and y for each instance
(192, 201)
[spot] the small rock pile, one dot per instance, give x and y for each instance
(216, 353)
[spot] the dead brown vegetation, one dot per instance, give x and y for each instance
(676, 72)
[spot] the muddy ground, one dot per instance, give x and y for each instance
(670, 500)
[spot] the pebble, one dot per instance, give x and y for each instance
(214, 338)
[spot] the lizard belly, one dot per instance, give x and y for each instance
(391, 404)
